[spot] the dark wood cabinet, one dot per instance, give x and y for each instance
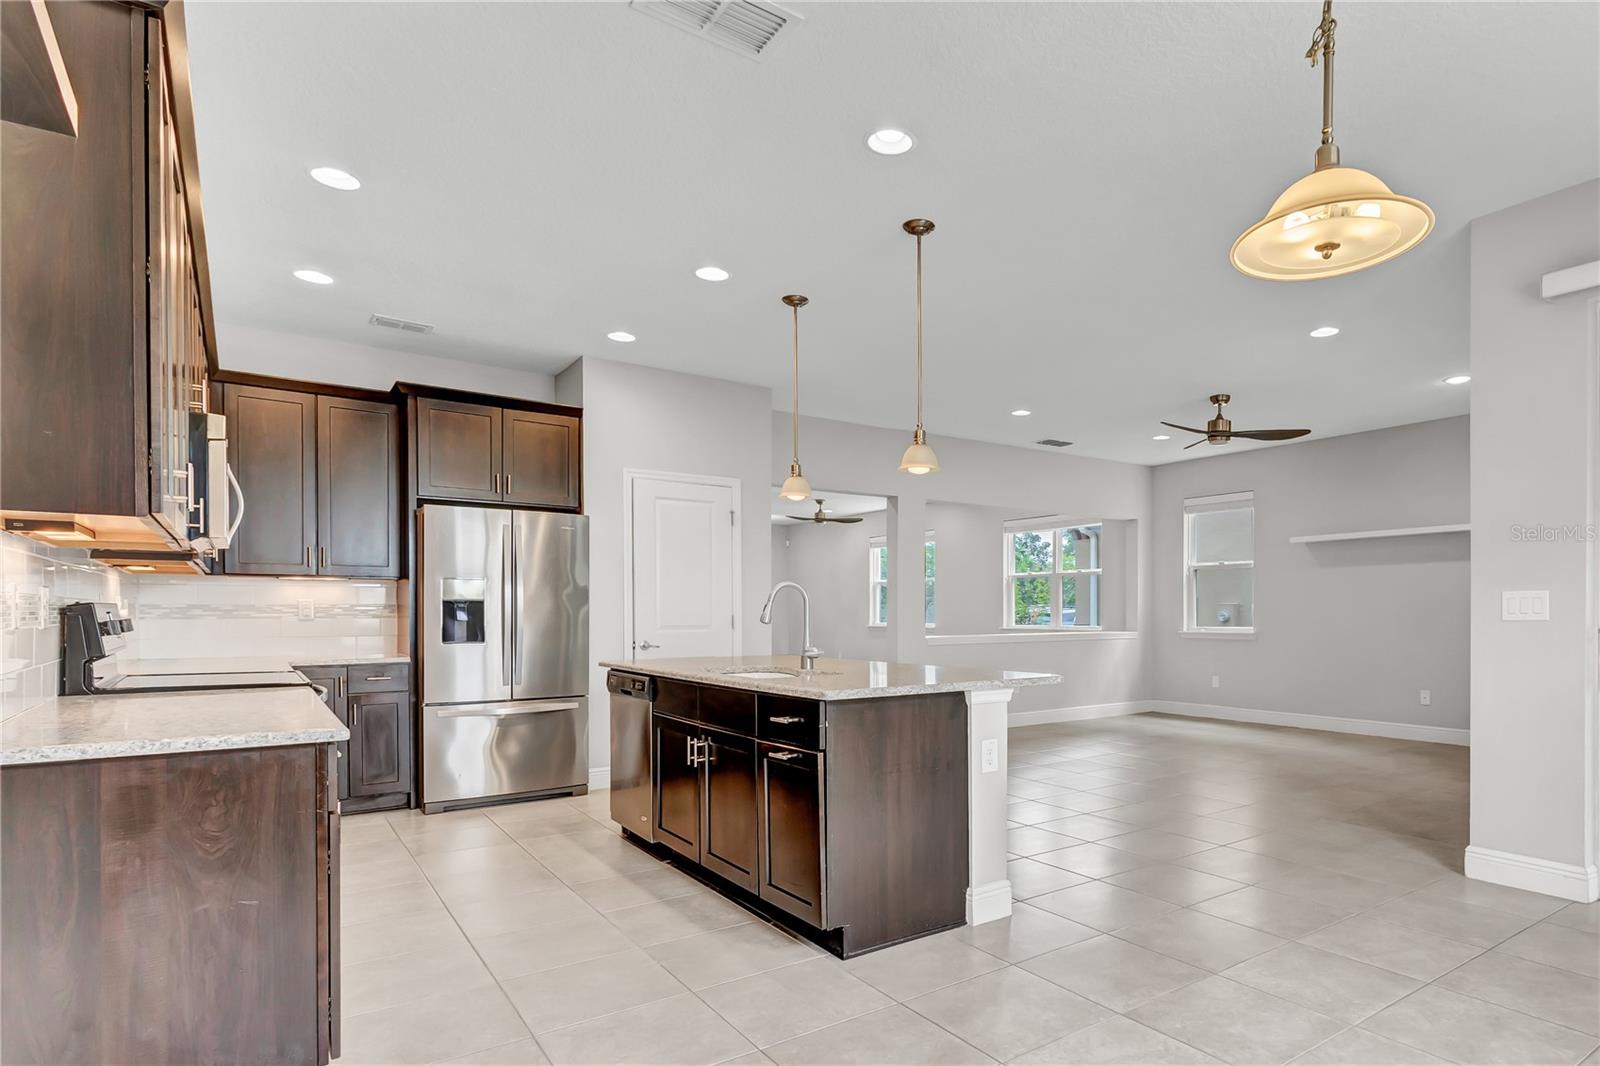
(377, 765)
(272, 447)
(728, 839)
(332, 680)
(677, 786)
(358, 488)
(320, 479)
(791, 822)
(475, 451)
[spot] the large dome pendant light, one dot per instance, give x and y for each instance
(1336, 219)
(795, 486)
(919, 458)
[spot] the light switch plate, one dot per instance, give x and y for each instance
(991, 756)
(1425, 697)
(308, 610)
(1531, 605)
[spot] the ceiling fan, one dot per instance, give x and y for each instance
(822, 516)
(1220, 430)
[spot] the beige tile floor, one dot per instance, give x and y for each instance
(1188, 891)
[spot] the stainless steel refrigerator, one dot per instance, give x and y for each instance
(503, 635)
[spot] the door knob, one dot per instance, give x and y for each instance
(645, 645)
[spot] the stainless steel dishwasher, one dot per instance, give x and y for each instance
(631, 788)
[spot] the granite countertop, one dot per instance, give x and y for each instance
(72, 728)
(834, 679)
(245, 664)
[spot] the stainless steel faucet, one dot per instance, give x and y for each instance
(808, 654)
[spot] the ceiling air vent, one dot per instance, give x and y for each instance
(1051, 442)
(402, 324)
(742, 26)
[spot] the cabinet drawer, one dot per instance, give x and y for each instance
(790, 721)
(677, 699)
(380, 677)
(730, 709)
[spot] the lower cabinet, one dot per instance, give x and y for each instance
(729, 842)
(677, 786)
(376, 767)
(791, 786)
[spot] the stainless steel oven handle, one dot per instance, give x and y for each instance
(238, 515)
(505, 710)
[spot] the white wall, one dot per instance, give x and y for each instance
(1344, 630)
(861, 459)
(289, 355)
(830, 563)
(644, 419)
(1533, 426)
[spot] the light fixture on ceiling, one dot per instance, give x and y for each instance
(1336, 219)
(1162, 436)
(314, 277)
(1458, 379)
(891, 141)
(711, 273)
(1021, 412)
(919, 458)
(1325, 331)
(795, 486)
(621, 337)
(334, 178)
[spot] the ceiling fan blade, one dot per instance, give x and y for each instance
(1270, 434)
(1196, 444)
(1186, 429)
(847, 518)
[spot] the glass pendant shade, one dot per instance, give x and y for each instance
(795, 486)
(1333, 221)
(919, 458)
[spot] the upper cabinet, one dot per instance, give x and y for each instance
(472, 451)
(107, 336)
(320, 477)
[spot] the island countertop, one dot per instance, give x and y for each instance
(833, 679)
(74, 728)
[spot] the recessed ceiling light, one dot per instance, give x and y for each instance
(1021, 412)
(334, 178)
(315, 277)
(1162, 436)
(891, 142)
(710, 273)
(1458, 379)
(1325, 331)
(621, 337)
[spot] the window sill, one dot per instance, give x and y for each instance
(885, 625)
(1048, 637)
(1218, 634)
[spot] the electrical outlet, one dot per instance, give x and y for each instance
(991, 756)
(1216, 680)
(308, 610)
(1425, 697)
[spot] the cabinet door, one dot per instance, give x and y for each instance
(380, 743)
(728, 838)
(676, 803)
(272, 448)
(541, 459)
(358, 488)
(792, 831)
(458, 450)
(332, 678)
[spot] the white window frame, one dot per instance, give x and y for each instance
(1052, 524)
(874, 544)
(928, 539)
(1230, 501)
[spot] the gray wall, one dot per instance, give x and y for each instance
(1533, 411)
(1347, 629)
(830, 562)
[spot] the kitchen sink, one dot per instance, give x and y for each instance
(760, 674)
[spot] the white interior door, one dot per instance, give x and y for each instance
(684, 563)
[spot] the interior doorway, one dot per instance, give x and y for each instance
(681, 585)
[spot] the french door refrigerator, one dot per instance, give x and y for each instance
(503, 636)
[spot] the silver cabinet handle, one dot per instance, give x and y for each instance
(508, 483)
(308, 557)
(783, 756)
(645, 645)
(785, 719)
(324, 551)
(689, 752)
(378, 677)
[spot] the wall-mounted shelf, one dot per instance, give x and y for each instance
(1378, 534)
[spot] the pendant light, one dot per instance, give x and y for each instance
(1336, 219)
(795, 486)
(919, 458)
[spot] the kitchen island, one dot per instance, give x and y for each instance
(862, 801)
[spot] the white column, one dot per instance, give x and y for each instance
(988, 888)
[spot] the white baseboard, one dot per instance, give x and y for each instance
(1074, 714)
(599, 777)
(1364, 726)
(989, 902)
(1560, 879)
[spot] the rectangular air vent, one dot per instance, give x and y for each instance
(405, 325)
(743, 26)
(1051, 442)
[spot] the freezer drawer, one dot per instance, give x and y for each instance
(493, 750)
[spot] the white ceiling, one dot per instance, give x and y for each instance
(836, 504)
(539, 174)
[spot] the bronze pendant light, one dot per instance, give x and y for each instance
(795, 486)
(1337, 219)
(919, 458)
